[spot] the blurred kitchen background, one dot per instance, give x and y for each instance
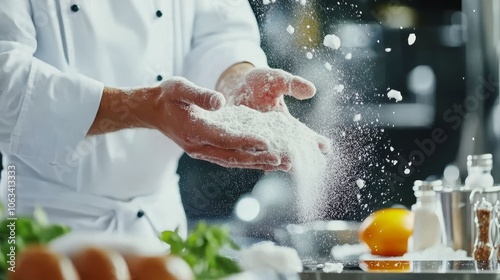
(448, 78)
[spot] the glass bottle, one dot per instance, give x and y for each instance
(479, 171)
(427, 228)
(483, 245)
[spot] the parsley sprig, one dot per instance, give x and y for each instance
(201, 250)
(28, 230)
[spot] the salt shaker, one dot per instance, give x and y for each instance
(483, 245)
(479, 171)
(427, 228)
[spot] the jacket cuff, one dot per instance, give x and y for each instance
(56, 113)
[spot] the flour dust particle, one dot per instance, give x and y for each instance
(348, 56)
(328, 66)
(412, 38)
(360, 183)
(395, 94)
(338, 88)
(332, 41)
(309, 55)
(290, 29)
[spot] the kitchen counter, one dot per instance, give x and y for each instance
(388, 270)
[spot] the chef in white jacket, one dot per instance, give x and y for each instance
(94, 115)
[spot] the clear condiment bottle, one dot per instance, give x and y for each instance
(427, 228)
(483, 245)
(479, 171)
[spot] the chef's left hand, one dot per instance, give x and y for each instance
(263, 89)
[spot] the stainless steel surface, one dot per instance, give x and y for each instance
(316, 239)
(399, 276)
(410, 270)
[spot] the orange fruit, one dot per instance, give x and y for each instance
(386, 231)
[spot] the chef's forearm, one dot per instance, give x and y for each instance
(231, 77)
(120, 109)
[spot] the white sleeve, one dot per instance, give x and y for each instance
(43, 112)
(225, 32)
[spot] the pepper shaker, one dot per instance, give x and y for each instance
(483, 245)
(497, 227)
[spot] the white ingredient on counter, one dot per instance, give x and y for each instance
(388, 49)
(303, 2)
(333, 267)
(266, 2)
(290, 29)
(309, 55)
(407, 171)
(395, 94)
(266, 255)
(437, 253)
(348, 251)
(348, 56)
(328, 66)
(412, 38)
(357, 118)
(332, 41)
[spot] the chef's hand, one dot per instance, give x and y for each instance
(167, 109)
(203, 141)
(263, 89)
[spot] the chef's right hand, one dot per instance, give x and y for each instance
(172, 116)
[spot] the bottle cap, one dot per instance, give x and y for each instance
(437, 185)
(483, 204)
(422, 186)
(485, 161)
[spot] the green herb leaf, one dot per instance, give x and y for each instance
(174, 240)
(28, 230)
(201, 250)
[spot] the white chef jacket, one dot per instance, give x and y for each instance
(55, 58)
